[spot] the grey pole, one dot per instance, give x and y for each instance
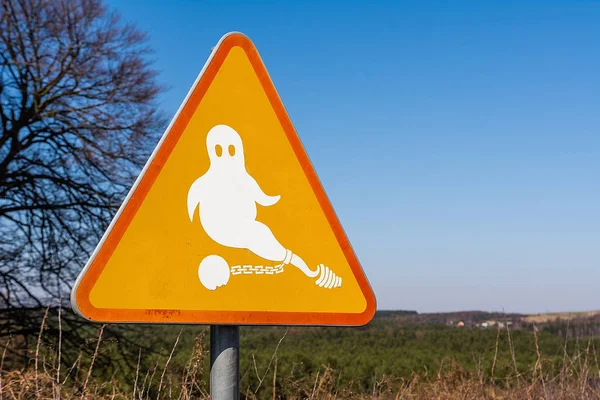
(224, 362)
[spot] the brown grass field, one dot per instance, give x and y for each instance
(551, 317)
(45, 378)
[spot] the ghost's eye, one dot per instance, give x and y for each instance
(231, 149)
(219, 150)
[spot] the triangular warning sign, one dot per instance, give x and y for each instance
(228, 222)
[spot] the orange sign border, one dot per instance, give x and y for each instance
(87, 279)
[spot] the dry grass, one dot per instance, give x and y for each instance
(45, 379)
(565, 316)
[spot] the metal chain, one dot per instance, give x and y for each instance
(256, 269)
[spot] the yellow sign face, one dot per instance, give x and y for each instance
(228, 222)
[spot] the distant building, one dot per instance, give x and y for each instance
(460, 324)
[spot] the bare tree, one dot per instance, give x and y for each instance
(77, 120)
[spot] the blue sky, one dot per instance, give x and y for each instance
(459, 142)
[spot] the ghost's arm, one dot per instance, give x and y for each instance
(262, 198)
(193, 198)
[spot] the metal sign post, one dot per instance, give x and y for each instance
(224, 362)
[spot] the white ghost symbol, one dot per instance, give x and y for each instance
(227, 196)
